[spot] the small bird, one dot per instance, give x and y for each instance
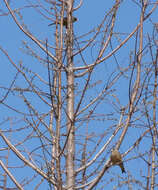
(116, 159)
(74, 19)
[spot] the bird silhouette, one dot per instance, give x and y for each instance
(116, 159)
(74, 19)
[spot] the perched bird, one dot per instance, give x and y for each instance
(116, 159)
(74, 19)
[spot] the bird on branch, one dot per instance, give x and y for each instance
(74, 19)
(116, 159)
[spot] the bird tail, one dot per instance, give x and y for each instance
(122, 167)
(51, 24)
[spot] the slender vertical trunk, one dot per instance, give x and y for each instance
(70, 129)
(70, 101)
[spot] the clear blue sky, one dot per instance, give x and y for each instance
(90, 15)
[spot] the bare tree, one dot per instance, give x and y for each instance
(73, 98)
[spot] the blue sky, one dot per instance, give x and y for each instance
(89, 17)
